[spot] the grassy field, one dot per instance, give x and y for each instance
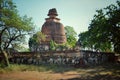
(57, 72)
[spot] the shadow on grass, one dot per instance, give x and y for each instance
(57, 68)
(83, 73)
(102, 72)
(96, 77)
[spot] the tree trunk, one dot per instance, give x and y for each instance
(5, 58)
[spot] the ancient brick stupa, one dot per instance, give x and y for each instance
(53, 29)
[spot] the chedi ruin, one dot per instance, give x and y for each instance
(53, 29)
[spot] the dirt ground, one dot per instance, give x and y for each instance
(34, 75)
(92, 73)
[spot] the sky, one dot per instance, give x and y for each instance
(75, 13)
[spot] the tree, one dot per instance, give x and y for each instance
(98, 31)
(84, 40)
(36, 40)
(104, 29)
(71, 36)
(13, 28)
(113, 14)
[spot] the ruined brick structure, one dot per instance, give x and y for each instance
(53, 29)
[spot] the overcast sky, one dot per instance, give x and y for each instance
(75, 13)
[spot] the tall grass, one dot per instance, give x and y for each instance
(16, 67)
(40, 68)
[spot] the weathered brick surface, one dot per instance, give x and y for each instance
(53, 29)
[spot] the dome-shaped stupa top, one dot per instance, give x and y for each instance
(52, 11)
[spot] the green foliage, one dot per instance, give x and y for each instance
(71, 40)
(13, 27)
(20, 48)
(40, 37)
(84, 40)
(104, 30)
(71, 36)
(62, 47)
(59, 47)
(52, 45)
(36, 40)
